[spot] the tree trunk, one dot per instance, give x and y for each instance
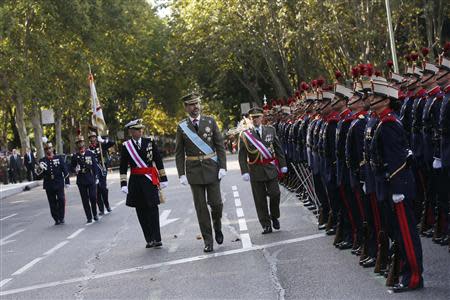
(37, 127)
(58, 121)
(20, 123)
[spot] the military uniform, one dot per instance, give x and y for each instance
(85, 165)
(147, 176)
(53, 170)
(201, 170)
(263, 170)
(102, 187)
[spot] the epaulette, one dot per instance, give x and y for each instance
(389, 118)
(361, 117)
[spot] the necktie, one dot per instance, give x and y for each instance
(258, 130)
(195, 122)
(138, 145)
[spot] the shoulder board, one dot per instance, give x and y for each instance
(389, 118)
(361, 117)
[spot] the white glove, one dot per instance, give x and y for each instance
(284, 170)
(437, 163)
(43, 165)
(222, 173)
(364, 187)
(124, 189)
(246, 177)
(397, 198)
(77, 169)
(97, 181)
(163, 184)
(100, 139)
(183, 180)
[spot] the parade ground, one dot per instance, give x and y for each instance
(108, 259)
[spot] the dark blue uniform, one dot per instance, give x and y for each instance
(393, 176)
(102, 187)
(87, 177)
(55, 177)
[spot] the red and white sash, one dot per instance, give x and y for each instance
(136, 158)
(258, 145)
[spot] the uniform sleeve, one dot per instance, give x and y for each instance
(157, 158)
(123, 166)
(96, 165)
(242, 153)
(39, 172)
(278, 150)
(180, 158)
(220, 147)
(62, 162)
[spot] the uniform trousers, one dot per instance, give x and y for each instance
(57, 201)
(89, 198)
(148, 217)
(102, 194)
(260, 190)
(204, 195)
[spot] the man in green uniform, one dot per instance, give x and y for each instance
(261, 159)
(201, 162)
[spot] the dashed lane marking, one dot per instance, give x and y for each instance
(5, 281)
(27, 266)
(7, 217)
(60, 245)
(242, 225)
(240, 212)
(158, 265)
(5, 240)
(73, 235)
(237, 202)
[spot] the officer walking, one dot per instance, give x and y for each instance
(147, 177)
(100, 147)
(262, 160)
(85, 165)
(201, 162)
(52, 168)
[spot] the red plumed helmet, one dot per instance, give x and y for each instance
(408, 58)
(297, 94)
(447, 47)
(320, 81)
(362, 68)
(304, 86)
(425, 51)
(414, 56)
(338, 74)
(390, 64)
(377, 73)
(355, 72)
(314, 83)
(369, 70)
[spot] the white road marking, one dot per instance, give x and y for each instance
(75, 233)
(234, 188)
(60, 245)
(163, 218)
(5, 241)
(7, 217)
(246, 242)
(237, 202)
(5, 281)
(239, 212)
(28, 265)
(236, 194)
(19, 201)
(120, 202)
(242, 225)
(158, 265)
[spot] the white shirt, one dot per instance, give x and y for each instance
(192, 119)
(259, 130)
(138, 142)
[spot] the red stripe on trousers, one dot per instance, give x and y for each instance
(376, 214)
(350, 216)
(359, 202)
(410, 253)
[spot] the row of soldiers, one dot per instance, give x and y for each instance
(373, 158)
(88, 163)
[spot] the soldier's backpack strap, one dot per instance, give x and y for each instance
(197, 140)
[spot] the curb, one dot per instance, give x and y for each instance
(16, 190)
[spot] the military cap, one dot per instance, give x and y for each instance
(255, 112)
(135, 124)
(92, 133)
(191, 98)
(79, 138)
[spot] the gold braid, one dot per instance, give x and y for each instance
(247, 147)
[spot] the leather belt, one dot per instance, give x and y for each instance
(201, 157)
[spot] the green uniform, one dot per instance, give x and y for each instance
(202, 172)
(263, 175)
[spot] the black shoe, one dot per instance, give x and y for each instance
(89, 221)
(101, 213)
(62, 221)
(345, 245)
(157, 244)
(322, 227)
(208, 248)
(369, 263)
(400, 288)
(428, 233)
(356, 251)
(267, 229)
(361, 262)
(276, 224)
(219, 237)
(57, 223)
(331, 231)
(109, 209)
(444, 241)
(150, 244)
(96, 218)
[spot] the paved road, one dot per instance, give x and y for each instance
(108, 260)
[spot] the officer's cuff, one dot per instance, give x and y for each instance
(123, 177)
(162, 173)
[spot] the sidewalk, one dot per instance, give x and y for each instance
(15, 188)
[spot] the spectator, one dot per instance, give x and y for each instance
(30, 161)
(15, 167)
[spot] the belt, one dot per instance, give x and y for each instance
(143, 171)
(262, 162)
(201, 157)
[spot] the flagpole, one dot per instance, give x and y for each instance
(391, 36)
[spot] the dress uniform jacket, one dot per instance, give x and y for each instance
(341, 137)
(141, 191)
(444, 126)
(249, 162)
(406, 115)
(200, 171)
(330, 150)
(416, 131)
(56, 174)
(371, 125)
(88, 173)
(430, 121)
(354, 148)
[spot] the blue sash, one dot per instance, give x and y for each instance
(197, 140)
